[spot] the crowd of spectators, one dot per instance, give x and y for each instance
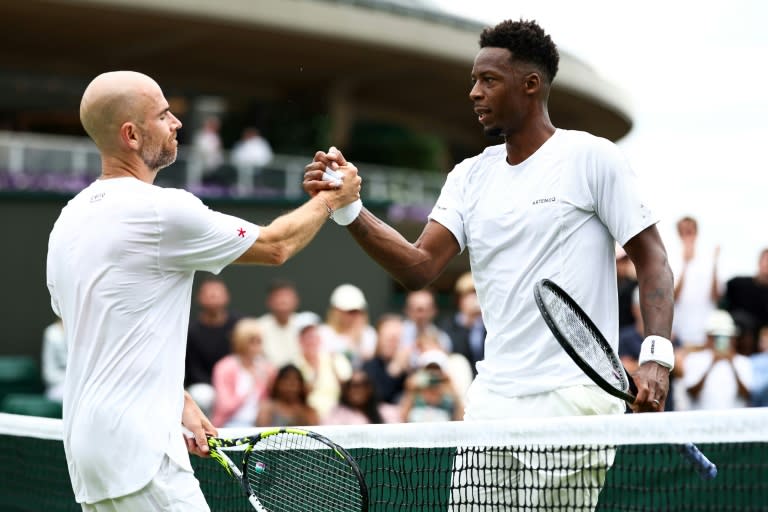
(720, 329)
(291, 367)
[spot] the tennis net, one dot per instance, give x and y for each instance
(632, 462)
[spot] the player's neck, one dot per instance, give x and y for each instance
(116, 166)
(524, 143)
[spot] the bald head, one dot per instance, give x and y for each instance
(111, 100)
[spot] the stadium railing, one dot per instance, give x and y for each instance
(39, 162)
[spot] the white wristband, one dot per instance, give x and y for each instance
(657, 349)
(346, 215)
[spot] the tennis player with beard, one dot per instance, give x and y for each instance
(121, 260)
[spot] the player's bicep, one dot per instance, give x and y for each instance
(438, 245)
(193, 237)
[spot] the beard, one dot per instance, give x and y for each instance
(157, 156)
(493, 131)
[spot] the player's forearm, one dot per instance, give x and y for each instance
(287, 235)
(657, 300)
(299, 227)
(402, 259)
(655, 281)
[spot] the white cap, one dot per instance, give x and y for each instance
(437, 357)
(348, 297)
(720, 323)
(306, 319)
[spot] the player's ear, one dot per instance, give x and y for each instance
(130, 136)
(532, 82)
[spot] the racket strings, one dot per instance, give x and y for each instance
(584, 340)
(292, 472)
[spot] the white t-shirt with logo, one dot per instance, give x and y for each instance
(121, 261)
(555, 215)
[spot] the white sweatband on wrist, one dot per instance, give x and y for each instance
(346, 215)
(659, 350)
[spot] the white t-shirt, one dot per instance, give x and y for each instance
(281, 342)
(720, 389)
(694, 305)
(121, 261)
(554, 216)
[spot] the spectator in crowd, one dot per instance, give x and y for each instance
(750, 294)
(696, 286)
(454, 365)
(626, 280)
(430, 395)
(358, 404)
(465, 328)
(391, 362)
(346, 329)
(207, 145)
(208, 340)
(281, 340)
(54, 356)
(420, 314)
(322, 370)
(759, 391)
(287, 403)
(718, 377)
(252, 150)
(631, 339)
(241, 379)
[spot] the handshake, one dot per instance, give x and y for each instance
(326, 162)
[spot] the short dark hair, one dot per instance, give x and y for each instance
(280, 284)
(527, 42)
(688, 220)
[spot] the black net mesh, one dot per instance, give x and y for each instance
(642, 477)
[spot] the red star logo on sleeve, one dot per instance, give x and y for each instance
(241, 232)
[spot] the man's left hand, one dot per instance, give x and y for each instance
(652, 381)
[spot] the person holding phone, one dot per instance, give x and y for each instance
(718, 377)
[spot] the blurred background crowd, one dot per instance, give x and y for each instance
(283, 365)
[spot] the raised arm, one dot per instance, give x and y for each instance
(414, 265)
(290, 233)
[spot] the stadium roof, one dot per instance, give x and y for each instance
(395, 60)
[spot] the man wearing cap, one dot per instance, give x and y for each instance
(718, 377)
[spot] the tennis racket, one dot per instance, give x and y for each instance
(293, 470)
(589, 349)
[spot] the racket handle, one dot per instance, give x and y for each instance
(704, 467)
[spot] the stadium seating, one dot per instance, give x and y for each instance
(19, 374)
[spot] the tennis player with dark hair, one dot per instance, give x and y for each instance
(121, 261)
(546, 203)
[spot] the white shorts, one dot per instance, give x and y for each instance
(532, 478)
(173, 489)
(483, 404)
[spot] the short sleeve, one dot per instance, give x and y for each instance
(614, 188)
(449, 208)
(194, 237)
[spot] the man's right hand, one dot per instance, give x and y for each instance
(313, 173)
